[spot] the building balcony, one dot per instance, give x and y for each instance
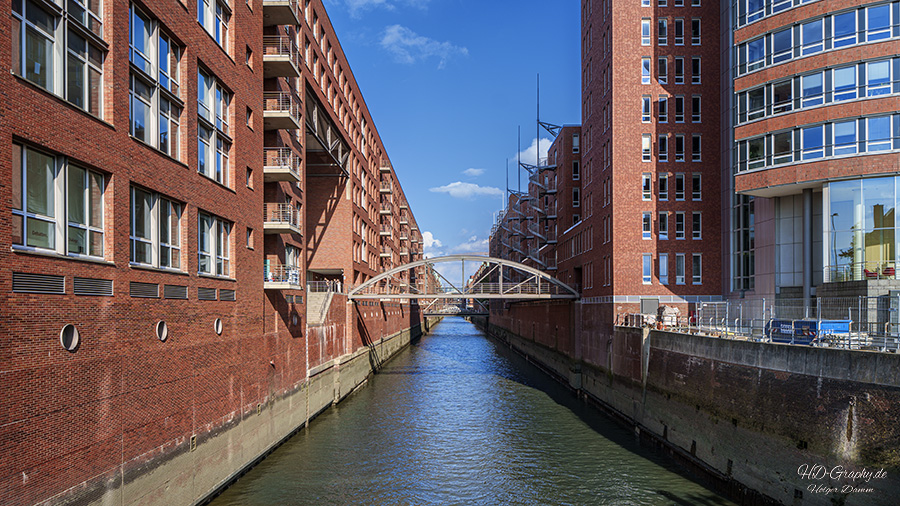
(281, 219)
(404, 219)
(386, 187)
(281, 164)
(386, 209)
(386, 231)
(404, 252)
(404, 236)
(404, 205)
(281, 12)
(386, 252)
(281, 277)
(281, 58)
(281, 111)
(385, 167)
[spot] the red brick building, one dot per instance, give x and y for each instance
(183, 184)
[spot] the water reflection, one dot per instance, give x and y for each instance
(458, 419)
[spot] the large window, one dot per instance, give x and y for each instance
(646, 225)
(214, 16)
(213, 141)
(61, 53)
(679, 268)
(57, 205)
(861, 229)
(155, 230)
(155, 85)
(664, 268)
(697, 269)
(213, 238)
(647, 268)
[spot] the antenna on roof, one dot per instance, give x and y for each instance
(519, 159)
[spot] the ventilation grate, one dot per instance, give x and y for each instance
(38, 283)
(206, 293)
(227, 295)
(145, 290)
(175, 292)
(93, 286)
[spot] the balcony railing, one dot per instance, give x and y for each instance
(281, 164)
(404, 219)
(281, 12)
(386, 252)
(404, 252)
(386, 187)
(386, 209)
(280, 277)
(281, 57)
(281, 218)
(386, 230)
(385, 167)
(281, 110)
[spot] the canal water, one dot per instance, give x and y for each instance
(457, 418)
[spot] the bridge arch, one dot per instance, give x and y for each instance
(495, 278)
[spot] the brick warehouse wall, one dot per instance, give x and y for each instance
(114, 421)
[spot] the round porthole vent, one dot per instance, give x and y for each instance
(217, 326)
(162, 330)
(295, 320)
(69, 337)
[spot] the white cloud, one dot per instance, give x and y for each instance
(473, 172)
(528, 155)
(473, 245)
(409, 47)
(429, 241)
(462, 190)
(357, 7)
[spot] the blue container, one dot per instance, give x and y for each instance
(805, 331)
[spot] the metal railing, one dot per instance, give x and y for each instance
(287, 274)
(859, 271)
(387, 208)
(386, 187)
(869, 323)
(404, 219)
(281, 213)
(282, 157)
(283, 46)
(330, 286)
(283, 102)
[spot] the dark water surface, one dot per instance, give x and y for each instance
(459, 419)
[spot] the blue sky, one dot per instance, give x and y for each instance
(448, 83)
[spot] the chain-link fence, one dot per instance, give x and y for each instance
(862, 323)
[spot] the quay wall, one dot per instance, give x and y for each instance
(747, 415)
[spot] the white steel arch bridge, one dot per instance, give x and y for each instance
(491, 278)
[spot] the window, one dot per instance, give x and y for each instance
(783, 96)
(663, 145)
(695, 148)
(695, 225)
(646, 187)
(663, 226)
(645, 147)
(576, 197)
(645, 108)
(696, 187)
(576, 138)
(878, 22)
(844, 82)
(664, 268)
(213, 245)
(576, 170)
(844, 27)
(813, 146)
(679, 225)
(812, 90)
(878, 131)
(249, 178)
(812, 34)
(695, 109)
(878, 78)
(695, 31)
(679, 70)
(695, 70)
(782, 45)
(155, 230)
(663, 3)
(679, 148)
(756, 153)
(647, 225)
(663, 187)
(663, 70)
(663, 32)
(214, 16)
(679, 186)
(756, 54)
(213, 142)
(57, 53)
(645, 3)
(679, 32)
(56, 205)
(845, 138)
(782, 147)
(645, 32)
(696, 269)
(750, 10)
(647, 267)
(249, 238)
(663, 109)
(679, 268)
(154, 87)
(679, 109)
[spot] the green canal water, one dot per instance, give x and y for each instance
(457, 418)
